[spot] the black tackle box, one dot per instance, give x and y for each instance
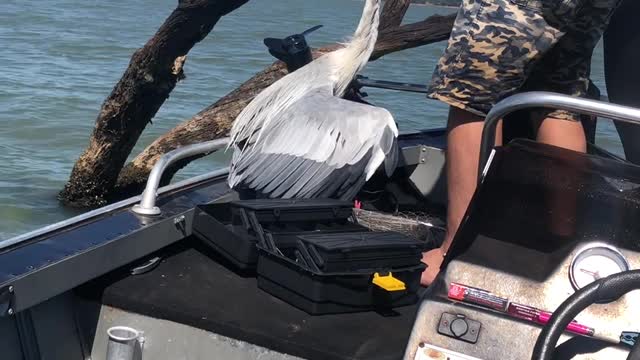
(313, 254)
(233, 228)
(339, 252)
(343, 272)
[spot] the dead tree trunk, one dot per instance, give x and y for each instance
(215, 121)
(434, 29)
(394, 11)
(152, 74)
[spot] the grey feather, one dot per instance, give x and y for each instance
(306, 177)
(285, 173)
(293, 179)
(310, 189)
(264, 177)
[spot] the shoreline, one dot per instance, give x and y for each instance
(429, 4)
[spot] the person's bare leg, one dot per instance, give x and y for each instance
(463, 152)
(562, 133)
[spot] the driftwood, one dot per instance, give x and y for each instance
(153, 72)
(393, 13)
(215, 121)
(433, 29)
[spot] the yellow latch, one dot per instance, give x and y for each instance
(388, 282)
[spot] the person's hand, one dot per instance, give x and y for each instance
(433, 259)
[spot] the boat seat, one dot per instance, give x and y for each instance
(195, 287)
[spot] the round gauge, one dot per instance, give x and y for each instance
(594, 262)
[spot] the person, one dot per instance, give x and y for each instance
(496, 49)
(622, 74)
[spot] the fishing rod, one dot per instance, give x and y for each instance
(363, 81)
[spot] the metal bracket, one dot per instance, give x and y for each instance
(423, 155)
(180, 223)
(7, 299)
(629, 338)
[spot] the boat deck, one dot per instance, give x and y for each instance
(193, 286)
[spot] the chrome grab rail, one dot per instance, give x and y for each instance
(147, 205)
(541, 99)
(156, 174)
(105, 209)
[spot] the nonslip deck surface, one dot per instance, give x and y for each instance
(194, 287)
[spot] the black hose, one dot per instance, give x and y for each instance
(604, 290)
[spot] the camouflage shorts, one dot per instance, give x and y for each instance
(500, 47)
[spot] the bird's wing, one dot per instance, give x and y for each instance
(277, 98)
(320, 146)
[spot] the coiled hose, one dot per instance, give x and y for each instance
(605, 290)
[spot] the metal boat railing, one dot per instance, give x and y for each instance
(151, 190)
(103, 210)
(147, 205)
(540, 99)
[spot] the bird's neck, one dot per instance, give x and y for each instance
(357, 52)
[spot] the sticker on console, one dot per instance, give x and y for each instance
(431, 352)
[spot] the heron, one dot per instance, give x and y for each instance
(299, 138)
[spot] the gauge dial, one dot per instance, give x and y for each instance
(594, 262)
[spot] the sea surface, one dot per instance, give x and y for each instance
(61, 58)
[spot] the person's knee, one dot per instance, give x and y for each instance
(562, 133)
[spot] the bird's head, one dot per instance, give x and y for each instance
(293, 49)
(294, 44)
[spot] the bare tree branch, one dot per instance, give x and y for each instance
(392, 13)
(153, 72)
(434, 29)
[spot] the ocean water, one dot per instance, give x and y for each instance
(61, 58)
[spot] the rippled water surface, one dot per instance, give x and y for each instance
(61, 58)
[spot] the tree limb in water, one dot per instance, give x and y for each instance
(215, 121)
(393, 11)
(434, 29)
(153, 72)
